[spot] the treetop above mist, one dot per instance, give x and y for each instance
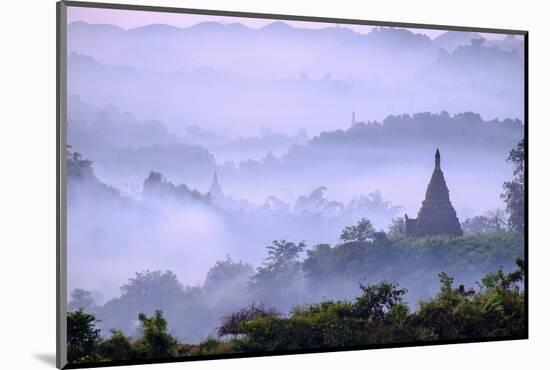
(466, 129)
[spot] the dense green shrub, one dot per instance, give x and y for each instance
(82, 337)
(85, 344)
(155, 342)
(379, 315)
(117, 348)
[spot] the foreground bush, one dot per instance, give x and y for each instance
(85, 344)
(379, 315)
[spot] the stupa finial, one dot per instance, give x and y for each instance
(437, 159)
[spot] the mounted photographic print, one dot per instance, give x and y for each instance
(241, 184)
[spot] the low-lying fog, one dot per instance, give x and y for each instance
(309, 192)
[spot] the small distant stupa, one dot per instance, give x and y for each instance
(437, 215)
(354, 121)
(215, 190)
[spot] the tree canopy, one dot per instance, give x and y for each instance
(514, 190)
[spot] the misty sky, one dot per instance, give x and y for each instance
(129, 19)
(267, 58)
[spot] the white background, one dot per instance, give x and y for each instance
(27, 184)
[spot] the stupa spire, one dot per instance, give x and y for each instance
(215, 190)
(215, 180)
(437, 215)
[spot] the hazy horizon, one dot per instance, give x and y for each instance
(130, 19)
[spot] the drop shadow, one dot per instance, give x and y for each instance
(46, 358)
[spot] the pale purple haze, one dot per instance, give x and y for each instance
(128, 19)
(268, 105)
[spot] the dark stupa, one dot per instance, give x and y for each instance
(437, 215)
(215, 191)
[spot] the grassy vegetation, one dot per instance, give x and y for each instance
(378, 315)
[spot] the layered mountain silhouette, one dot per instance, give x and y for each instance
(168, 48)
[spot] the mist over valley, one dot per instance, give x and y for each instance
(217, 166)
